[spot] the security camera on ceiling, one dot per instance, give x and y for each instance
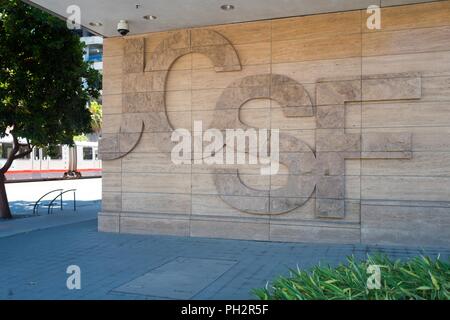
(123, 27)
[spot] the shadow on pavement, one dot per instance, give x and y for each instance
(24, 209)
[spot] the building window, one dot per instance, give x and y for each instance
(87, 153)
(36, 154)
(24, 149)
(95, 52)
(5, 149)
(55, 153)
(44, 154)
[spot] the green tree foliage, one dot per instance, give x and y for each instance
(96, 116)
(45, 85)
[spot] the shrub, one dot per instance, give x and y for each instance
(418, 278)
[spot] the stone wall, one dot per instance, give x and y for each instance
(364, 119)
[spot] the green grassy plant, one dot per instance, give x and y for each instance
(419, 278)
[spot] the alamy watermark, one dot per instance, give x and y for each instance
(73, 282)
(229, 147)
(73, 20)
(374, 280)
(374, 20)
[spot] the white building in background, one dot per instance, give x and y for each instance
(94, 50)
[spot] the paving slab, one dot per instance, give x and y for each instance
(181, 278)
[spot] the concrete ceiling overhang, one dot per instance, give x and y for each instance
(177, 14)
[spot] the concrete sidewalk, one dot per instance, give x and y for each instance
(86, 212)
(123, 266)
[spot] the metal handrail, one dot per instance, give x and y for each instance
(50, 206)
(36, 204)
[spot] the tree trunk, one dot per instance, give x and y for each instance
(5, 212)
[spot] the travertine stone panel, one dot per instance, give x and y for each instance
(209, 79)
(314, 233)
(387, 142)
(230, 229)
(249, 54)
(208, 42)
(331, 117)
(164, 203)
(109, 222)
(338, 92)
(207, 205)
(112, 104)
(392, 88)
(111, 201)
(331, 187)
(118, 145)
(143, 102)
(310, 72)
(109, 144)
(374, 87)
(334, 140)
(291, 96)
(152, 163)
(127, 141)
(331, 163)
(330, 208)
(157, 183)
(112, 182)
(134, 55)
(312, 48)
(245, 33)
(112, 65)
(230, 184)
(133, 45)
(205, 37)
(112, 84)
(410, 188)
(113, 47)
(138, 82)
(413, 114)
(421, 164)
(406, 41)
(405, 225)
(249, 205)
(144, 224)
(317, 25)
(223, 57)
(427, 63)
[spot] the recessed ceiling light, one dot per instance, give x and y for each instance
(227, 7)
(150, 17)
(95, 24)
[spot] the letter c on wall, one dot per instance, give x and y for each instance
(151, 82)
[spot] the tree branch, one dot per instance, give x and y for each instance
(11, 156)
(25, 153)
(22, 154)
